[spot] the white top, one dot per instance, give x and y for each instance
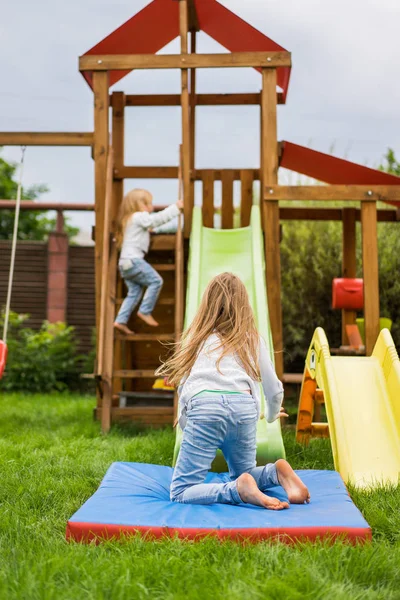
(136, 240)
(231, 377)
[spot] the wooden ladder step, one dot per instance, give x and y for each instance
(164, 267)
(163, 301)
(146, 337)
(134, 373)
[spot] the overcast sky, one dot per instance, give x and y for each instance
(344, 92)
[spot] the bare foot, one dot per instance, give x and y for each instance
(122, 328)
(249, 493)
(296, 490)
(149, 319)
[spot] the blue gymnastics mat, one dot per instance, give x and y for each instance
(134, 497)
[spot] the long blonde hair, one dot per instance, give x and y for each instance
(224, 310)
(134, 201)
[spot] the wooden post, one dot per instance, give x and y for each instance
(269, 175)
(100, 150)
(185, 104)
(370, 273)
(192, 120)
(348, 262)
(118, 144)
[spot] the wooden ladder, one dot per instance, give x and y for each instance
(126, 363)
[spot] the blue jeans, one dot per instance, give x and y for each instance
(228, 422)
(139, 276)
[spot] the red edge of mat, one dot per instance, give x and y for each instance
(96, 532)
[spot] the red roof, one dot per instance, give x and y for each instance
(332, 170)
(158, 24)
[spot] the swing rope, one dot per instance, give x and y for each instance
(14, 246)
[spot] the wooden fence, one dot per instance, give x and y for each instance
(30, 289)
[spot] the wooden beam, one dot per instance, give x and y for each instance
(125, 62)
(100, 151)
(185, 108)
(46, 138)
(33, 205)
(218, 173)
(269, 169)
(349, 263)
(325, 193)
(329, 214)
(227, 200)
(193, 21)
(146, 173)
(240, 99)
(246, 196)
(370, 274)
(118, 144)
(208, 198)
(192, 115)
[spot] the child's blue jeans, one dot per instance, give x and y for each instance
(140, 275)
(228, 422)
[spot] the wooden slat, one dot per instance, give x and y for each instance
(370, 274)
(46, 138)
(163, 267)
(124, 62)
(162, 242)
(349, 263)
(128, 172)
(271, 213)
(146, 337)
(292, 378)
(330, 214)
(246, 196)
(208, 198)
(241, 99)
(325, 193)
(227, 208)
(134, 373)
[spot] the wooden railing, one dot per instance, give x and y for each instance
(227, 178)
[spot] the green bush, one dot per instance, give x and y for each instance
(311, 255)
(40, 361)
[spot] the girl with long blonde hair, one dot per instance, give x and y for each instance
(135, 221)
(219, 366)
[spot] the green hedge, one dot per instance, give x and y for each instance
(311, 255)
(41, 361)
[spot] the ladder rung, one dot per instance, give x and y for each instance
(146, 337)
(164, 301)
(134, 373)
(164, 267)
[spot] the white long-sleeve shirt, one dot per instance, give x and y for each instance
(231, 377)
(136, 240)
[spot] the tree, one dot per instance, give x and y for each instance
(391, 164)
(33, 225)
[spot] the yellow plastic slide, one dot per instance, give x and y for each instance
(362, 399)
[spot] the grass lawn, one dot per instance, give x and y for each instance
(52, 459)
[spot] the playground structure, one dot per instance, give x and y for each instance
(125, 365)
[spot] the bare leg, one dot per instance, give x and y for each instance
(296, 490)
(249, 493)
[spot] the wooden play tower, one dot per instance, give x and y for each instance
(125, 366)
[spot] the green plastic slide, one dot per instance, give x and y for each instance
(240, 251)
